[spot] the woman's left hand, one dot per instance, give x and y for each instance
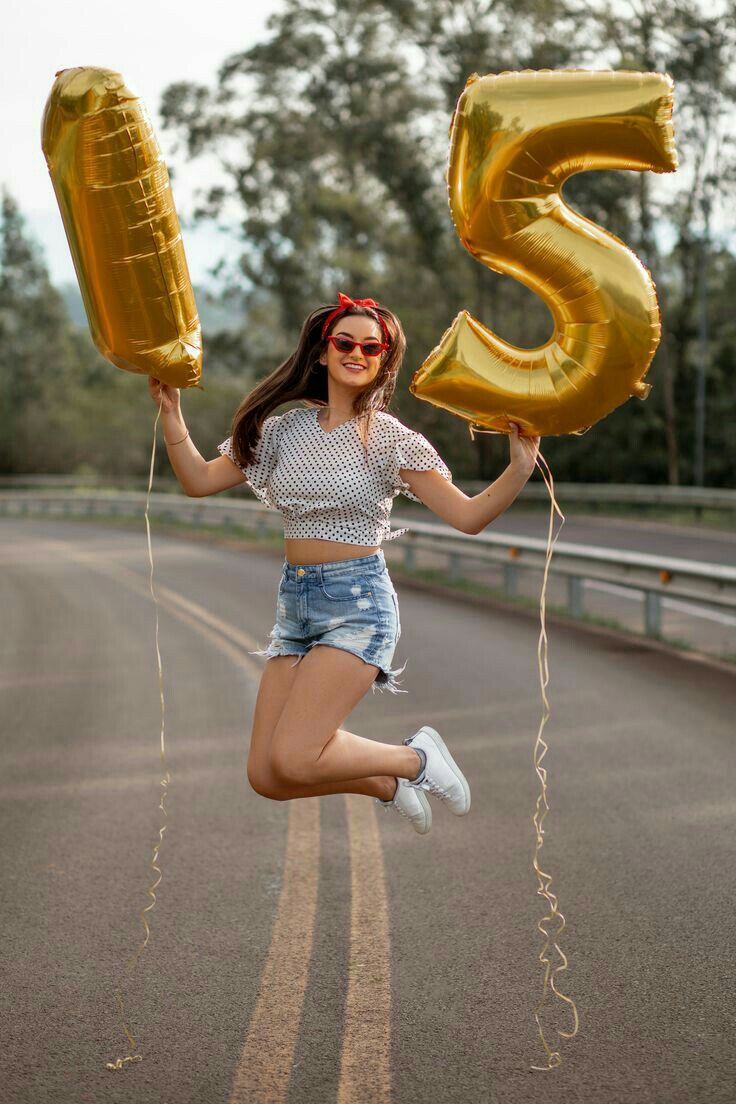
(523, 450)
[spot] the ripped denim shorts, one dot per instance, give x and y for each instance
(348, 604)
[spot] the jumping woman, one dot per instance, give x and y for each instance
(332, 467)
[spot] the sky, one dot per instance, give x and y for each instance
(152, 43)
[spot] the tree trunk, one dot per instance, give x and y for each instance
(670, 411)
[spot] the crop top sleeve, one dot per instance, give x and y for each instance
(414, 451)
(264, 460)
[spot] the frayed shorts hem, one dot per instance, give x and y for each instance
(386, 679)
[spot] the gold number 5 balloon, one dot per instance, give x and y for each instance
(514, 140)
(115, 198)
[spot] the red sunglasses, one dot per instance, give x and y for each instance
(368, 348)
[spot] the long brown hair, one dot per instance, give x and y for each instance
(303, 377)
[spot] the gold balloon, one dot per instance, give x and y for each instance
(514, 140)
(115, 198)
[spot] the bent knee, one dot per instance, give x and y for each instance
(288, 771)
(287, 775)
(266, 784)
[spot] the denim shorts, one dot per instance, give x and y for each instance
(348, 604)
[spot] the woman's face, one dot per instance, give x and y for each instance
(354, 369)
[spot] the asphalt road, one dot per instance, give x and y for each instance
(320, 950)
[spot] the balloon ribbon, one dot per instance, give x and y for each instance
(554, 916)
(120, 1063)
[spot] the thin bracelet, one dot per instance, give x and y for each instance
(177, 442)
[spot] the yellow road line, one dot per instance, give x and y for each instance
(221, 633)
(265, 1065)
(264, 1069)
(365, 1068)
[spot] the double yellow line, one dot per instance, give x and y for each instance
(264, 1069)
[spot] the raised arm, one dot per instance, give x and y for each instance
(472, 515)
(198, 477)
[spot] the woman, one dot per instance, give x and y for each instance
(332, 468)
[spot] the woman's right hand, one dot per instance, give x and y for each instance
(165, 396)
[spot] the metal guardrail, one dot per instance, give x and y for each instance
(595, 495)
(600, 495)
(656, 577)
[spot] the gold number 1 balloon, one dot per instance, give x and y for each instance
(115, 198)
(514, 140)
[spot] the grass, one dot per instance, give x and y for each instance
(522, 601)
(169, 527)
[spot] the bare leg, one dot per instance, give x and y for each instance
(346, 752)
(315, 692)
(381, 786)
(308, 749)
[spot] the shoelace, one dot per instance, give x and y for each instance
(398, 808)
(393, 804)
(428, 783)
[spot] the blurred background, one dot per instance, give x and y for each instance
(307, 146)
(293, 950)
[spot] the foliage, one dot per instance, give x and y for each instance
(332, 136)
(63, 408)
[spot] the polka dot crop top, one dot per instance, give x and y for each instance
(324, 484)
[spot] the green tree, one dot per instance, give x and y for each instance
(697, 46)
(63, 407)
(37, 346)
(332, 134)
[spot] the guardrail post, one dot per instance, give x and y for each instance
(575, 593)
(510, 579)
(409, 558)
(453, 566)
(652, 613)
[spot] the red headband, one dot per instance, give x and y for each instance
(346, 301)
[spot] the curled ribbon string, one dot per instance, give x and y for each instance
(120, 1063)
(554, 1058)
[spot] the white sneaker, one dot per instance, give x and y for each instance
(410, 803)
(442, 776)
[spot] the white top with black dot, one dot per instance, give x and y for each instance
(323, 483)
